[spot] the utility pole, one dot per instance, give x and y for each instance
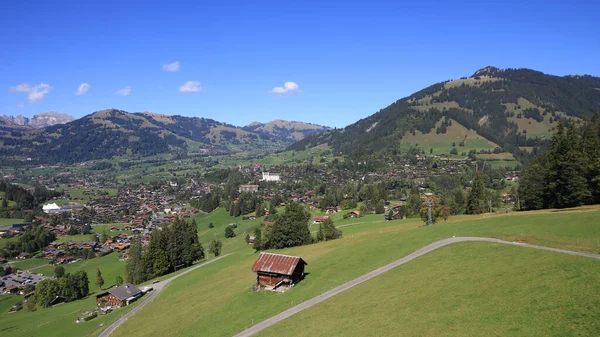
(429, 204)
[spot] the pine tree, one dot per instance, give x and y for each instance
(257, 245)
(414, 201)
(476, 199)
(134, 271)
(320, 233)
(567, 186)
(99, 279)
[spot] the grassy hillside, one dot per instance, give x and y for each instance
(466, 289)
(218, 299)
(441, 143)
(202, 302)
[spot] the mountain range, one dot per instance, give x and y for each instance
(115, 133)
(511, 110)
(38, 121)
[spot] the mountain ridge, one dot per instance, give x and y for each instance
(509, 107)
(111, 133)
(292, 130)
(39, 120)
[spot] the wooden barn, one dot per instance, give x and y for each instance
(278, 272)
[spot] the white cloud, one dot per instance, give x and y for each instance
(171, 66)
(289, 88)
(20, 105)
(190, 86)
(83, 88)
(124, 92)
(35, 93)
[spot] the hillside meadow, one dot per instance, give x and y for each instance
(218, 299)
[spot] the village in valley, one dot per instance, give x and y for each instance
(311, 169)
(104, 218)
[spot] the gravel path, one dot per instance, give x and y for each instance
(158, 287)
(438, 244)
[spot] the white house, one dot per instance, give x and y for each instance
(266, 176)
(51, 208)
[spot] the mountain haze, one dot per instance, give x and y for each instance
(41, 120)
(291, 130)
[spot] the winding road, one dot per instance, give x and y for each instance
(158, 287)
(429, 248)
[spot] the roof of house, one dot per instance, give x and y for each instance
(277, 263)
(125, 291)
(321, 218)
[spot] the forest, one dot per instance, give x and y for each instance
(568, 174)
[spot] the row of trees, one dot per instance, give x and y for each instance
(171, 247)
(568, 174)
(69, 286)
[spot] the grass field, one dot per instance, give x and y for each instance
(30, 263)
(218, 299)
(442, 143)
(4, 222)
(109, 265)
(232, 306)
(466, 289)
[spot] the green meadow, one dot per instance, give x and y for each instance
(230, 306)
(218, 299)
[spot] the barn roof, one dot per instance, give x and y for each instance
(125, 291)
(277, 263)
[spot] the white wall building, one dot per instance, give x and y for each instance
(266, 176)
(51, 208)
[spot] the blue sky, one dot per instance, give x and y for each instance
(348, 58)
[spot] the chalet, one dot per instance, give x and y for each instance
(353, 214)
(331, 210)
(278, 272)
(319, 219)
(23, 256)
(65, 259)
(118, 297)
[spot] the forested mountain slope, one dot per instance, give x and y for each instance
(114, 133)
(511, 108)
